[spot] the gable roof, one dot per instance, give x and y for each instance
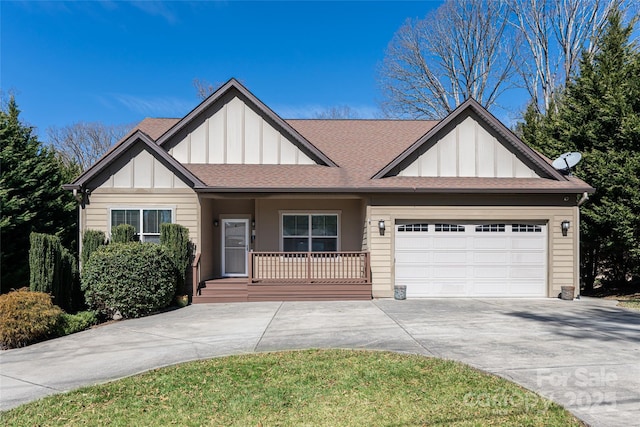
(232, 86)
(355, 156)
(470, 104)
(122, 147)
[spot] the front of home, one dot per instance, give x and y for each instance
(343, 209)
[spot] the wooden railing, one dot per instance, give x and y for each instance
(309, 267)
(196, 274)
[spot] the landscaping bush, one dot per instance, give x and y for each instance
(133, 279)
(91, 241)
(54, 270)
(123, 233)
(27, 317)
(72, 323)
(175, 238)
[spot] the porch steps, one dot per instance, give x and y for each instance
(237, 290)
(223, 290)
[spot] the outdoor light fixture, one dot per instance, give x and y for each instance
(253, 224)
(381, 227)
(565, 226)
(216, 223)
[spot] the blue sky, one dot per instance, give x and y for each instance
(118, 62)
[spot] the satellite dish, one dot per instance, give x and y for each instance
(566, 161)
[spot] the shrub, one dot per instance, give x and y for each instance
(134, 279)
(72, 323)
(175, 238)
(123, 233)
(27, 317)
(54, 270)
(91, 241)
(44, 260)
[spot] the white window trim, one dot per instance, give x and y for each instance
(141, 225)
(309, 212)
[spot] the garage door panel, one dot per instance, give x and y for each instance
(490, 257)
(449, 271)
(450, 242)
(487, 241)
(476, 261)
(491, 272)
(450, 257)
(523, 258)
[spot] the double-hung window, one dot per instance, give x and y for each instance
(146, 221)
(310, 232)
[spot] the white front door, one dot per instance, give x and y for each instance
(235, 245)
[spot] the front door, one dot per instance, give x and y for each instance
(235, 245)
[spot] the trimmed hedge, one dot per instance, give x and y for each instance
(175, 238)
(123, 233)
(72, 323)
(91, 241)
(27, 317)
(134, 279)
(54, 270)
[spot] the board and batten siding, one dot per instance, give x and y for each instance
(183, 202)
(468, 150)
(562, 250)
(236, 134)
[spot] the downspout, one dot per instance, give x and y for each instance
(582, 201)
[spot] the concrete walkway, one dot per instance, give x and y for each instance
(584, 354)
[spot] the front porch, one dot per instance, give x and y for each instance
(290, 276)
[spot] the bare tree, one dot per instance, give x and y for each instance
(462, 49)
(203, 88)
(85, 142)
(337, 112)
(555, 34)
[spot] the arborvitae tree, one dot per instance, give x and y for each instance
(175, 238)
(123, 233)
(31, 196)
(599, 116)
(91, 241)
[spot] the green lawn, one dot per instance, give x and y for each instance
(313, 387)
(631, 303)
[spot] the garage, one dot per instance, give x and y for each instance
(479, 259)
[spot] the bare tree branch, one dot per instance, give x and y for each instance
(464, 49)
(84, 143)
(337, 112)
(556, 32)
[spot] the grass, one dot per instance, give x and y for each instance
(312, 387)
(630, 303)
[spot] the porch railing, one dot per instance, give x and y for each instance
(196, 274)
(309, 267)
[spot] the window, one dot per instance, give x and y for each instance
(413, 227)
(490, 228)
(526, 228)
(310, 232)
(147, 220)
(449, 227)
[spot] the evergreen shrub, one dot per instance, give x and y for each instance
(134, 279)
(91, 241)
(175, 238)
(27, 317)
(123, 233)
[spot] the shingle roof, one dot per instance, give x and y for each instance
(360, 148)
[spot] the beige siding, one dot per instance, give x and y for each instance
(183, 202)
(562, 250)
(468, 150)
(235, 134)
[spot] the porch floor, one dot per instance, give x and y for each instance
(232, 289)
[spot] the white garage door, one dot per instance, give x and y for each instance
(458, 259)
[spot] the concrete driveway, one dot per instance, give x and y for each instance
(584, 354)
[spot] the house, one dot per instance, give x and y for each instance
(343, 209)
